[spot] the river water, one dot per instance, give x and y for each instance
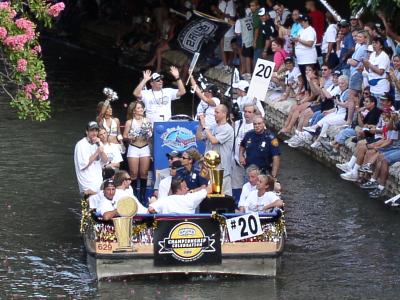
(341, 245)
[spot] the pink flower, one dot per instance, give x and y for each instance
(3, 33)
(55, 9)
(16, 42)
(27, 26)
(37, 49)
(4, 6)
(21, 65)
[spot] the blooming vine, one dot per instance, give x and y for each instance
(23, 75)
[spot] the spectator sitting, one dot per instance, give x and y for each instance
(194, 180)
(161, 174)
(180, 201)
(279, 53)
(165, 184)
(122, 183)
(252, 172)
(291, 80)
(106, 207)
(263, 199)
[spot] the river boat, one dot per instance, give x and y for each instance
(215, 241)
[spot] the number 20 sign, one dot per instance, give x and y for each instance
(260, 80)
(244, 227)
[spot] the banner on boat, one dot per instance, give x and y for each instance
(192, 241)
(174, 135)
(202, 33)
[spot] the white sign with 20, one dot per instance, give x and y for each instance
(261, 78)
(244, 227)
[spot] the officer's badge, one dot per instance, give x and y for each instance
(275, 142)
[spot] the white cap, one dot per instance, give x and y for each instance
(155, 76)
(261, 11)
(241, 85)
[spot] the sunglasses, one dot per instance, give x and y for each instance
(128, 178)
(324, 69)
(183, 157)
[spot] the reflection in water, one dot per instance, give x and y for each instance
(340, 243)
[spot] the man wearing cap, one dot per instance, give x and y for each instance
(242, 87)
(208, 101)
(102, 201)
(163, 173)
(219, 138)
(88, 157)
(176, 169)
(261, 148)
(267, 31)
(348, 46)
(158, 99)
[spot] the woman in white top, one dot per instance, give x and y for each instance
(377, 66)
(263, 199)
(306, 53)
(106, 120)
(138, 131)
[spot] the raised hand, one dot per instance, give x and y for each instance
(147, 75)
(174, 72)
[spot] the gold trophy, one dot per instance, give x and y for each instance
(211, 160)
(126, 208)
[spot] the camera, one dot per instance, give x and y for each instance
(236, 113)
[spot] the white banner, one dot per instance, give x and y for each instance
(260, 80)
(244, 227)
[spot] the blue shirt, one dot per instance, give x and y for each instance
(193, 179)
(294, 32)
(260, 149)
(348, 43)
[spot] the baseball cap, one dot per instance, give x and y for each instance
(176, 164)
(385, 96)
(156, 76)
(241, 85)
(107, 183)
(304, 18)
(289, 59)
(211, 88)
(92, 125)
(353, 17)
(337, 73)
(262, 11)
(174, 154)
(343, 23)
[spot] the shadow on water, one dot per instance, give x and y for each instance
(340, 243)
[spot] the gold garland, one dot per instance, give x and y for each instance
(137, 229)
(86, 218)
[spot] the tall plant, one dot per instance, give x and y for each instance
(22, 73)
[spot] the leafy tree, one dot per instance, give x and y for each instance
(22, 72)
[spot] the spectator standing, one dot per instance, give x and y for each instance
(328, 42)
(268, 31)
(317, 20)
(282, 13)
(346, 44)
(244, 28)
(228, 12)
(395, 79)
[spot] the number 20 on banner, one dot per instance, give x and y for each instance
(244, 227)
(261, 78)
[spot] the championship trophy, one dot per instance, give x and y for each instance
(211, 160)
(126, 208)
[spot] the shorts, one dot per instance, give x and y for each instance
(248, 52)
(344, 134)
(355, 82)
(392, 156)
(227, 43)
(138, 152)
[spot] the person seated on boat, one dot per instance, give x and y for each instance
(112, 150)
(88, 157)
(158, 99)
(181, 201)
(264, 198)
(163, 173)
(241, 89)
(194, 180)
(208, 101)
(260, 147)
(252, 172)
(165, 184)
(106, 120)
(138, 130)
(103, 201)
(219, 138)
(122, 182)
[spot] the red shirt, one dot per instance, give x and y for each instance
(318, 22)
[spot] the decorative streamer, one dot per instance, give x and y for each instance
(331, 10)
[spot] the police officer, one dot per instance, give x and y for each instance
(194, 180)
(260, 147)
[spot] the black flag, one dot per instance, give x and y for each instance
(201, 33)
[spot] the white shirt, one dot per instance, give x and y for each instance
(382, 61)
(306, 55)
(120, 193)
(158, 103)
(113, 153)
(242, 101)
(255, 203)
(239, 134)
(90, 177)
(164, 187)
(228, 8)
(208, 111)
(179, 204)
(246, 189)
(329, 37)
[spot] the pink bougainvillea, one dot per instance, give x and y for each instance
(55, 9)
(21, 65)
(3, 33)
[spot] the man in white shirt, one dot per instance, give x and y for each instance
(104, 202)
(252, 173)
(158, 99)
(180, 202)
(241, 90)
(241, 127)
(88, 157)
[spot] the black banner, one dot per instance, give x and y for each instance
(185, 242)
(202, 33)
